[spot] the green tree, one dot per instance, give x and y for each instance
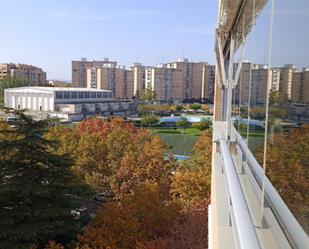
(275, 98)
(149, 120)
(10, 82)
(183, 123)
(204, 124)
(179, 108)
(35, 207)
(195, 107)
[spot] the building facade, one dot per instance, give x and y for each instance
(300, 87)
(111, 77)
(286, 78)
(69, 104)
(176, 81)
(79, 70)
(34, 75)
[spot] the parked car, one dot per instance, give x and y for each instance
(104, 197)
(78, 212)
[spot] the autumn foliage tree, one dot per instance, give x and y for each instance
(287, 169)
(191, 182)
(113, 155)
(137, 219)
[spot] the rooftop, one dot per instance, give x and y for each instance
(53, 89)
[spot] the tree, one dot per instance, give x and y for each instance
(148, 95)
(275, 98)
(287, 169)
(195, 107)
(191, 182)
(10, 82)
(179, 108)
(113, 155)
(34, 185)
(191, 231)
(203, 124)
(149, 120)
(137, 219)
(183, 123)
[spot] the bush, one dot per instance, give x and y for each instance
(204, 124)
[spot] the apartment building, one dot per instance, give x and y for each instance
(300, 87)
(181, 80)
(197, 80)
(261, 84)
(208, 79)
(138, 78)
(79, 70)
(111, 77)
(166, 82)
(275, 84)
(286, 78)
(34, 75)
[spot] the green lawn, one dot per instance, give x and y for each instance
(179, 141)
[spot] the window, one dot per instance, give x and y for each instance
(59, 95)
(87, 95)
(110, 95)
(66, 95)
(81, 95)
(99, 95)
(105, 95)
(93, 95)
(73, 95)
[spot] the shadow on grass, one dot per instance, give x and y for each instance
(169, 132)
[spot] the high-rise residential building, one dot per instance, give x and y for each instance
(261, 84)
(112, 77)
(176, 81)
(34, 75)
(275, 84)
(138, 78)
(196, 78)
(79, 70)
(245, 79)
(166, 82)
(208, 85)
(300, 87)
(260, 79)
(286, 77)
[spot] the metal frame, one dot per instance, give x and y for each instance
(229, 79)
(239, 212)
(290, 226)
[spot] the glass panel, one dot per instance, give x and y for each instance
(80, 95)
(73, 95)
(59, 95)
(286, 84)
(87, 95)
(66, 95)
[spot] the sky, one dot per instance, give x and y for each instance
(50, 34)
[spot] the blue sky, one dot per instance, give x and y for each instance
(52, 33)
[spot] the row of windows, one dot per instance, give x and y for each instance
(83, 95)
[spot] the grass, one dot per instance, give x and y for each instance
(188, 131)
(179, 141)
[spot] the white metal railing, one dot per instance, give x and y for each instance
(290, 226)
(241, 220)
